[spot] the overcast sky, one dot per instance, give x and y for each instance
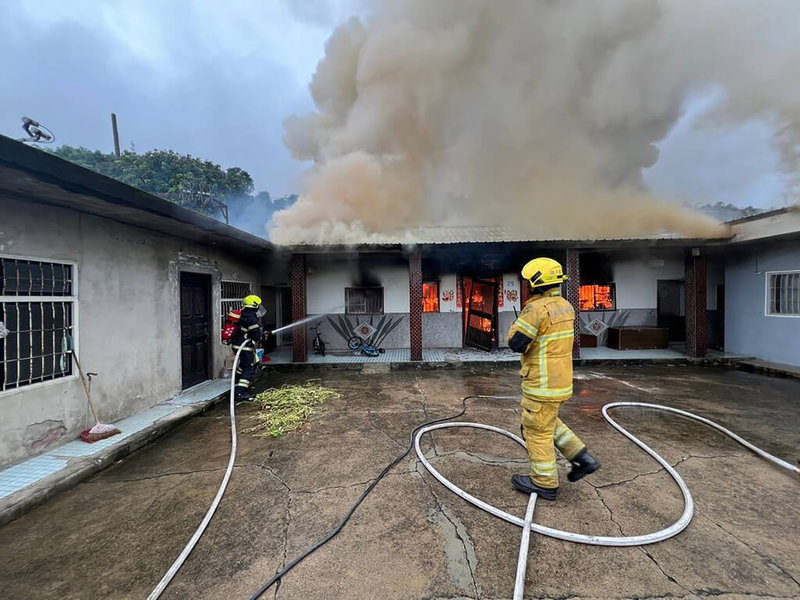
(216, 78)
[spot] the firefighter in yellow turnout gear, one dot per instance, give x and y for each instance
(543, 333)
(248, 328)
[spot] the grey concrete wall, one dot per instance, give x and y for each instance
(127, 316)
(506, 319)
(398, 338)
(747, 329)
(442, 330)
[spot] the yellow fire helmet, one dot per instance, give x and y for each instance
(543, 271)
(252, 301)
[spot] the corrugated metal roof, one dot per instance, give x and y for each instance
(467, 234)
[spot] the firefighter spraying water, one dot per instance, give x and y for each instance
(245, 325)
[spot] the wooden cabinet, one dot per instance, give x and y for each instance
(637, 338)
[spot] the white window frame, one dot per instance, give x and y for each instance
(73, 299)
(767, 277)
(223, 312)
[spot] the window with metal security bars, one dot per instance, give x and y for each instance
(37, 311)
(783, 294)
(232, 294)
(363, 300)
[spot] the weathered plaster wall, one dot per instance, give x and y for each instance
(127, 319)
(328, 276)
(636, 278)
(748, 330)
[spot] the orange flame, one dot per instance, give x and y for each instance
(430, 297)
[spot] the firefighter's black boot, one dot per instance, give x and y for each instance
(243, 394)
(524, 484)
(582, 465)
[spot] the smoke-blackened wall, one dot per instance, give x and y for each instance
(533, 114)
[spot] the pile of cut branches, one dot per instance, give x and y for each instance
(286, 409)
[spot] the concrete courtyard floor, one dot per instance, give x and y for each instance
(114, 535)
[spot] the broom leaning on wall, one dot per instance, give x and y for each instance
(99, 431)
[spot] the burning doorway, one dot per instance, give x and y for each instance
(480, 312)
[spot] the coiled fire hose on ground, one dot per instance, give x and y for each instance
(446, 422)
(595, 540)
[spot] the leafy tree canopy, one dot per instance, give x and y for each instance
(182, 178)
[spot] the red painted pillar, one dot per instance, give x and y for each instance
(696, 317)
(415, 303)
(300, 338)
(573, 269)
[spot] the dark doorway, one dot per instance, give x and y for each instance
(269, 298)
(195, 328)
(670, 298)
(285, 312)
(480, 313)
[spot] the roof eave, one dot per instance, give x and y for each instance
(80, 180)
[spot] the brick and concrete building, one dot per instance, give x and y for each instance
(138, 286)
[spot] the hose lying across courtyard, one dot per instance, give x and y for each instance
(596, 540)
(447, 422)
(162, 585)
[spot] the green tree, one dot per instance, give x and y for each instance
(182, 178)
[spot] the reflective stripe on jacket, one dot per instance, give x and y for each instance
(247, 328)
(548, 320)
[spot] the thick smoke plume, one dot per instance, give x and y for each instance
(531, 114)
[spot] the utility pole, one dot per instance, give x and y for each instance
(116, 134)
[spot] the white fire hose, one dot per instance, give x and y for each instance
(527, 523)
(596, 540)
(162, 585)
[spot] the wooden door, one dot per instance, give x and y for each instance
(670, 293)
(480, 304)
(195, 328)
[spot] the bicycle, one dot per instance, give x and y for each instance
(318, 343)
(356, 343)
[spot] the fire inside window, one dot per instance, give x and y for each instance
(430, 297)
(596, 297)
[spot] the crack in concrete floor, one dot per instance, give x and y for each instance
(643, 549)
(380, 425)
(766, 559)
(462, 535)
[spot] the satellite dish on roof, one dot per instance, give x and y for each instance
(37, 133)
